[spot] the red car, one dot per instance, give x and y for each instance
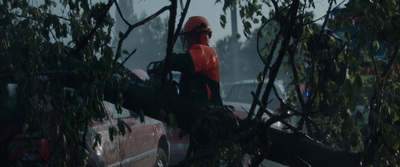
(178, 145)
(145, 145)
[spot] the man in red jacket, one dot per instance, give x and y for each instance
(199, 66)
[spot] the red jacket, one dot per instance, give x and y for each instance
(200, 74)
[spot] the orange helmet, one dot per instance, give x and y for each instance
(197, 24)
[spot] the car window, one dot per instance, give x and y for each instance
(234, 93)
(241, 92)
(244, 93)
(124, 114)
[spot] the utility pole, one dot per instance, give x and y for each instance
(235, 46)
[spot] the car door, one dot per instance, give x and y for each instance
(137, 146)
(107, 152)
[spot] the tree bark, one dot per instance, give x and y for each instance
(285, 148)
(140, 97)
(296, 150)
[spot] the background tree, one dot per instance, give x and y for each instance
(39, 43)
(150, 37)
(331, 68)
(249, 62)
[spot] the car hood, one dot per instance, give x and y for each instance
(242, 110)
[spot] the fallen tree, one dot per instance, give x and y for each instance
(292, 149)
(32, 47)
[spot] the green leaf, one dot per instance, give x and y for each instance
(112, 131)
(230, 108)
(358, 83)
(353, 102)
(345, 88)
(256, 21)
(222, 21)
(247, 25)
(127, 126)
(260, 77)
(121, 127)
(98, 139)
(396, 145)
(396, 117)
(263, 19)
(375, 45)
(171, 120)
(125, 52)
(141, 115)
(347, 36)
(163, 115)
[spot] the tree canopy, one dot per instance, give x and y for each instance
(349, 64)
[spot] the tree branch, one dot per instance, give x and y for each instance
(85, 40)
(287, 31)
(183, 15)
(224, 144)
(327, 13)
(170, 40)
(267, 64)
(120, 14)
(131, 27)
(372, 143)
(258, 41)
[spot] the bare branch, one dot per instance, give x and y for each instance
(394, 56)
(258, 40)
(287, 30)
(127, 58)
(170, 40)
(267, 64)
(327, 13)
(372, 143)
(121, 15)
(274, 118)
(183, 15)
(131, 27)
(85, 40)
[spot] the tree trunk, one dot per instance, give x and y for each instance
(286, 148)
(296, 150)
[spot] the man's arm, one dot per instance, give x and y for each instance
(182, 62)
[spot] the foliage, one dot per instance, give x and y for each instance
(225, 126)
(43, 43)
(332, 63)
(40, 42)
(249, 62)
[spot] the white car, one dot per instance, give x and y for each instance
(238, 95)
(239, 92)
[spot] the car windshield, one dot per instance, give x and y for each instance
(125, 113)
